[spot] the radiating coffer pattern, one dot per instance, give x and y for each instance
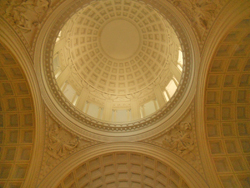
(123, 170)
(158, 46)
(16, 122)
(227, 107)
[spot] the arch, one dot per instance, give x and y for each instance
(191, 176)
(11, 40)
(232, 14)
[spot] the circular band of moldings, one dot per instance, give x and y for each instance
(111, 126)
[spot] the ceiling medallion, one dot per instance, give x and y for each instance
(115, 39)
(117, 65)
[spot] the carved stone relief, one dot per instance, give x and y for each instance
(60, 143)
(25, 17)
(27, 14)
(201, 13)
(180, 139)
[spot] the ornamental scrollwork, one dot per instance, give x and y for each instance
(180, 139)
(60, 142)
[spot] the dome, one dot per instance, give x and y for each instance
(117, 61)
(63, 124)
(116, 66)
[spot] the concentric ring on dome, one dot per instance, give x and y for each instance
(100, 95)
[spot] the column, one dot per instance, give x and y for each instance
(159, 96)
(99, 112)
(63, 77)
(74, 98)
(107, 111)
(87, 107)
(135, 109)
(155, 104)
(176, 72)
(128, 115)
(143, 110)
(115, 115)
(82, 98)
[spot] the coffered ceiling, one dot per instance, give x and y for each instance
(199, 139)
(17, 127)
(227, 102)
